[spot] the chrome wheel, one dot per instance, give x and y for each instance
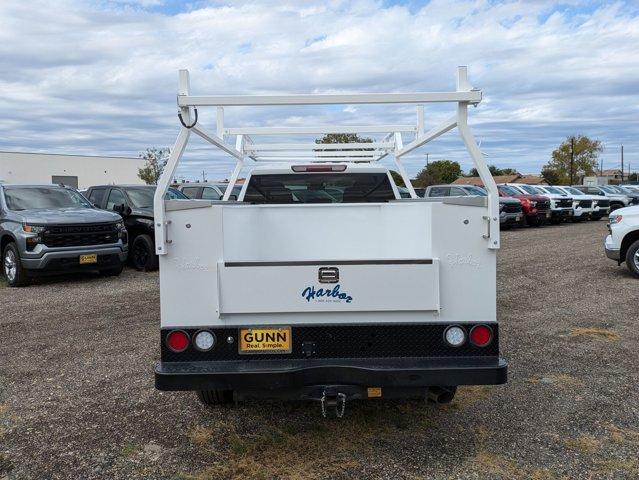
(10, 267)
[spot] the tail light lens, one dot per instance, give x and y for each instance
(177, 341)
(481, 335)
(455, 336)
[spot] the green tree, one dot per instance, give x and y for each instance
(342, 138)
(155, 161)
(633, 177)
(495, 171)
(439, 171)
(586, 160)
(397, 178)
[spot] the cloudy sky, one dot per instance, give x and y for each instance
(100, 77)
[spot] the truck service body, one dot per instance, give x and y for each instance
(320, 282)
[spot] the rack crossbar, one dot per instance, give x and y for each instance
(472, 96)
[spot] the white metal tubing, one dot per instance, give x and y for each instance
(480, 163)
(218, 142)
(311, 153)
(319, 129)
(315, 160)
(402, 171)
(432, 134)
(163, 186)
(473, 96)
(264, 147)
(239, 145)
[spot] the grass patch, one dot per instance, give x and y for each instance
(583, 444)
(623, 435)
(593, 332)
(3, 282)
(311, 449)
(129, 449)
(3, 408)
(612, 466)
(200, 435)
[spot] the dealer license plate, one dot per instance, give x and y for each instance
(265, 340)
(91, 258)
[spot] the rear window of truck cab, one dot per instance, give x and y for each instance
(319, 188)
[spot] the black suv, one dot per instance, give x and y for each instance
(135, 204)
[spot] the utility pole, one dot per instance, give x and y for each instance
(203, 176)
(622, 164)
(572, 158)
(427, 160)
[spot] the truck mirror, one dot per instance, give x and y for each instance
(232, 197)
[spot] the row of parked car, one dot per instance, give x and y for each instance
(535, 205)
(49, 228)
(52, 228)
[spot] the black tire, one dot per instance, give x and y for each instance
(595, 219)
(615, 206)
(113, 271)
(533, 221)
(215, 397)
(12, 269)
(142, 253)
(632, 258)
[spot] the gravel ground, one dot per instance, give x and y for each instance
(77, 397)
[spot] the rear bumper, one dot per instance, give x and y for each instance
(284, 375)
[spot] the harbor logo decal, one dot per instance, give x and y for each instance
(326, 294)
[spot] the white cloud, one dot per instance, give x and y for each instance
(101, 77)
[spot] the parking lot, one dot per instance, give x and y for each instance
(77, 398)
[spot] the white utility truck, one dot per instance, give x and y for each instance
(319, 282)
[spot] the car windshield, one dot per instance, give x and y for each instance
(142, 197)
(531, 190)
(319, 188)
(607, 189)
(509, 190)
(572, 191)
(625, 190)
(554, 190)
(475, 191)
(28, 198)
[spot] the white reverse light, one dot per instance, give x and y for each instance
(455, 336)
(204, 340)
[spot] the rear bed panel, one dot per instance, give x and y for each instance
(251, 264)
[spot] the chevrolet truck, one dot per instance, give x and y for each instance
(320, 282)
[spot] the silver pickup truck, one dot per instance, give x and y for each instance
(53, 229)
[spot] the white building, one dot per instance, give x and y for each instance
(78, 171)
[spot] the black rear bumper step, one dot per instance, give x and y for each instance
(276, 375)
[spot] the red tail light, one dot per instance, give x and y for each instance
(177, 341)
(481, 335)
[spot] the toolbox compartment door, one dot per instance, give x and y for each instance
(342, 286)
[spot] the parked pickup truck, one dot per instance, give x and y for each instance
(622, 244)
(617, 199)
(510, 209)
(54, 229)
(560, 205)
(320, 282)
(207, 191)
(135, 204)
(536, 208)
(594, 206)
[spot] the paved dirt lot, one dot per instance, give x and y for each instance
(77, 397)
